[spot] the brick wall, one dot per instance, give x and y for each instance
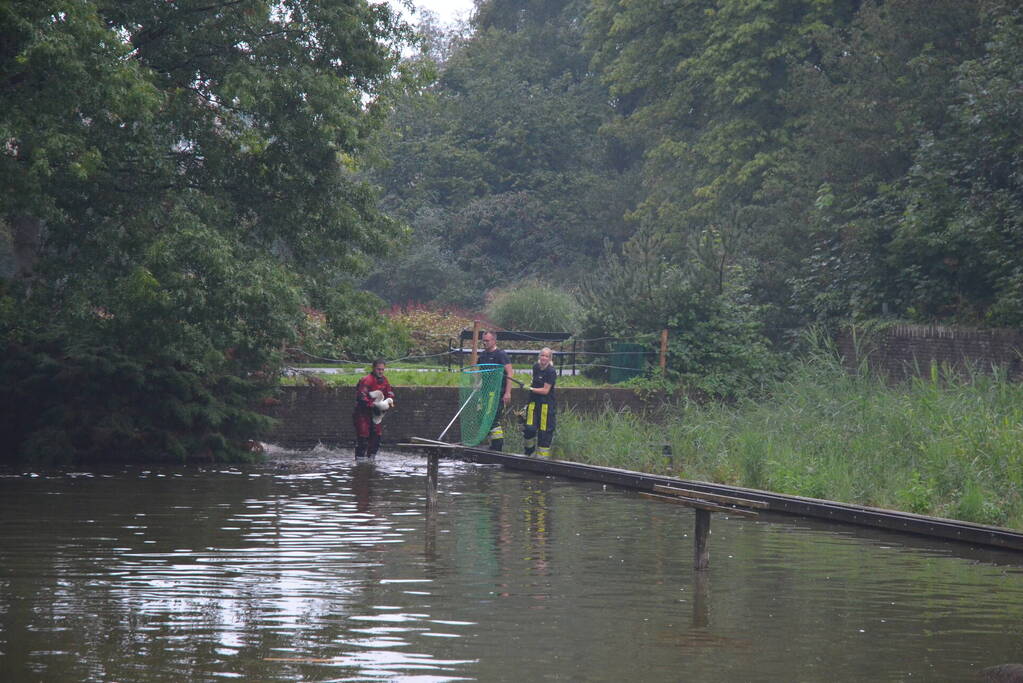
(311, 415)
(906, 350)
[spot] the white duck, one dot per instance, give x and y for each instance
(380, 404)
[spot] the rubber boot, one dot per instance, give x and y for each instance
(374, 445)
(360, 447)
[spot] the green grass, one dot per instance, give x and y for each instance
(945, 446)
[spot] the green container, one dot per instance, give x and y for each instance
(627, 361)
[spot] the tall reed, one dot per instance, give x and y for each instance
(946, 444)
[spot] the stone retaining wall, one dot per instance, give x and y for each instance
(311, 415)
(904, 351)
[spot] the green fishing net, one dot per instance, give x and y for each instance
(479, 395)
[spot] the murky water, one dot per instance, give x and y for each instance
(344, 574)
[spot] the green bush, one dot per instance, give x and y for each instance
(535, 306)
(716, 341)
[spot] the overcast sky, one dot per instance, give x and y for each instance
(448, 10)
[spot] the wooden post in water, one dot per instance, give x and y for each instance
(701, 599)
(701, 553)
(432, 469)
(703, 503)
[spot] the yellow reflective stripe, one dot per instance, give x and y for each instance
(543, 418)
(529, 413)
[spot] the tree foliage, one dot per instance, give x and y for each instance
(796, 160)
(502, 156)
(184, 178)
(717, 341)
(881, 89)
(960, 236)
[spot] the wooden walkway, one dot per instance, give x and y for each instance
(710, 494)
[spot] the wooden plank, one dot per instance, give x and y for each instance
(832, 511)
(422, 441)
(714, 497)
(450, 447)
(700, 505)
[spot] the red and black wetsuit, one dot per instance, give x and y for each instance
(367, 434)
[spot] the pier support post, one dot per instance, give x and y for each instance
(701, 599)
(701, 553)
(432, 469)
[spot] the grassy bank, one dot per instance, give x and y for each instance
(946, 446)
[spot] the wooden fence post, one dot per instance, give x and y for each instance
(475, 339)
(664, 349)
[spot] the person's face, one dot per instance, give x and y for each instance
(489, 342)
(545, 359)
(378, 370)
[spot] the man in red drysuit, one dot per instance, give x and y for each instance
(373, 397)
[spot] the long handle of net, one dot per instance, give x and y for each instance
(441, 437)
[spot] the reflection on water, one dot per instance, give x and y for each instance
(334, 571)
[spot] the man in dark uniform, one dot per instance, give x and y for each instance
(538, 430)
(492, 354)
(373, 396)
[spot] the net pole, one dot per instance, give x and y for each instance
(441, 437)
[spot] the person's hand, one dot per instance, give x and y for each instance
(506, 399)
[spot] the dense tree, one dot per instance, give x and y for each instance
(698, 87)
(879, 89)
(502, 160)
(183, 177)
(958, 245)
(831, 148)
